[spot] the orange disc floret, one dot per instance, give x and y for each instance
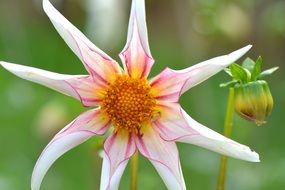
(129, 103)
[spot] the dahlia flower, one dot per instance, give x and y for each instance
(140, 114)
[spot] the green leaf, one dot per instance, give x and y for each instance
(267, 72)
(248, 64)
(228, 71)
(239, 73)
(229, 84)
(256, 69)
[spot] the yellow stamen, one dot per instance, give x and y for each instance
(129, 103)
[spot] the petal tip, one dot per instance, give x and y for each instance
(251, 155)
(2, 63)
(46, 4)
(49, 9)
(247, 48)
(255, 157)
(7, 66)
(240, 52)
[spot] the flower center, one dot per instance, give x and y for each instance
(128, 103)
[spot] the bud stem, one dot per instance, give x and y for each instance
(227, 133)
(134, 171)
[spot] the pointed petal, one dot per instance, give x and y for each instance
(190, 131)
(171, 125)
(114, 182)
(167, 86)
(88, 92)
(164, 157)
(94, 121)
(98, 63)
(136, 55)
(52, 80)
(212, 140)
(179, 81)
(80, 87)
(119, 147)
(53, 152)
(81, 129)
(167, 111)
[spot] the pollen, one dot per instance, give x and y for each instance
(129, 103)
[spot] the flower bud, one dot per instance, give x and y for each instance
(253, 101)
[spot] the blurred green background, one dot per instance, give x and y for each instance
(181, 33)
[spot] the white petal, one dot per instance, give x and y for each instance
(80, 44)
(167, 85)
(53, 151)
(105, 175)
(78, 86)
(81, 129)
(168, 177)
(164, 157)
(66, 29)
(202, 71)
(52, 80)
(118, 147)
(136, 55)
(198, 73)
(197, 134)
(212, 140)
(138, 22)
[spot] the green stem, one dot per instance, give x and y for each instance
(227, 133)
(134, 171)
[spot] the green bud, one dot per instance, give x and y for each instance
(253, 101)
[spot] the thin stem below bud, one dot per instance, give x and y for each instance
(134, 171)
(227, 133)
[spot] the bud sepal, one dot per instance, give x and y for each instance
(253, 100)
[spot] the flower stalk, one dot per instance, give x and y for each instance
(134, 171)
(227, 132)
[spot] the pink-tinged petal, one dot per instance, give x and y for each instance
(190, 131)
(49, 79)
(94, 121)
(81, 129)
(114, 182)
(103, 71)
(212, 140)
(118, 148)
(88, 92)
(167, 110)
(136, 55)
(167, 86)
(171, 124)
(53, 152)
(172, 83)
(80, 87)
(164, 157)
(100, 64)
